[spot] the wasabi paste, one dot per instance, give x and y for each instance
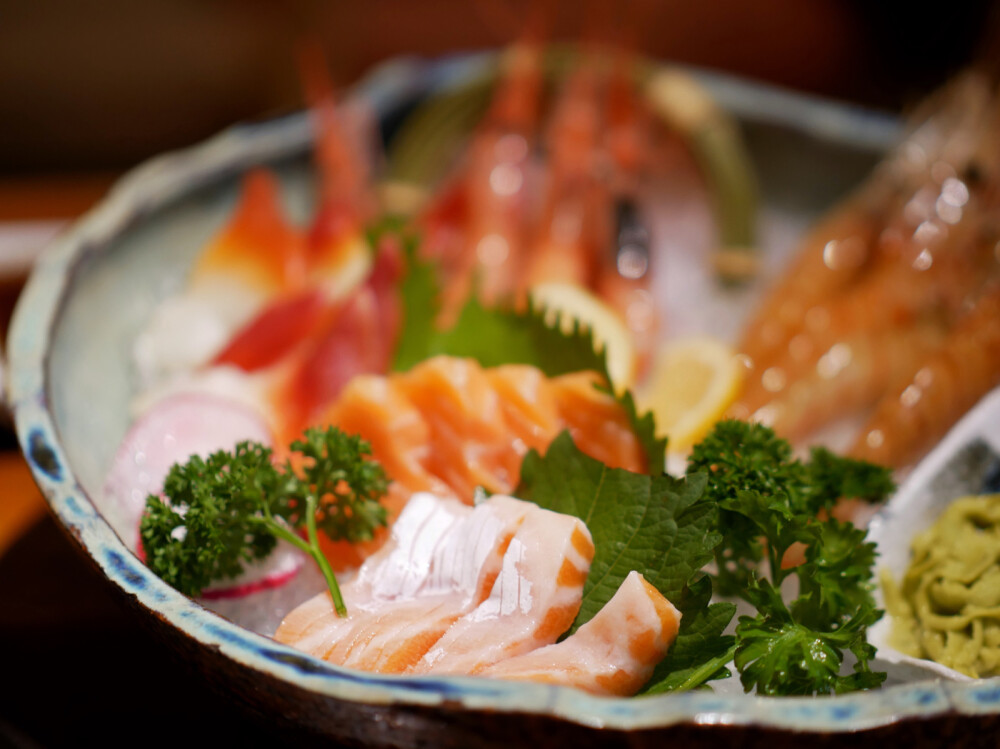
(948, 605)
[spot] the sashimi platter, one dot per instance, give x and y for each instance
(548, 395)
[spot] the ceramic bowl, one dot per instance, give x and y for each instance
(70, 382)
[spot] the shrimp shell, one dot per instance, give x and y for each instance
(910, 419)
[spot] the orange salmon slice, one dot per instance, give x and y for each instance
(612, 654)
(441, 561)
(534, 599)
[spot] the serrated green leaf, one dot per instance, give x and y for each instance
(495, 336)
(644, 427)
(701, 651)
(419, 293)
(653, 524)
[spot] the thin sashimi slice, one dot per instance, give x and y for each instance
(472, 446)
(533, 601)
(400, 439)
(528, 404)
(315, 627)
(441, 561)
(467, 563)
(449, 426)
(597, 422)
(358, 339)
(612, 654)
(275, 331)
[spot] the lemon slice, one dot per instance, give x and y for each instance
(693, 382)
(573, 302)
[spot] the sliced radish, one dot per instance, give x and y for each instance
(171, 431)
(279, 567)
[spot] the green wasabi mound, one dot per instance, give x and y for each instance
(947, 607)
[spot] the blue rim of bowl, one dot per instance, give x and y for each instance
(166, 177)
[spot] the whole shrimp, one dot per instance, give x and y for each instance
(913, 416)
(847, 243)
(496, 186)
(929, 253)
(569, 232)
(624, 269)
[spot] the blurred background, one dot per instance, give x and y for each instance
(92, 85)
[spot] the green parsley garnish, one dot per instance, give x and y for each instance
(767, 502)
(231, 508)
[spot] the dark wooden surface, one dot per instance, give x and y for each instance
(79, 670)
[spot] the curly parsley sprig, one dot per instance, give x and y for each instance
(767, 503)
(231, 508)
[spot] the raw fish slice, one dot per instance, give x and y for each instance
(449, 426)
(442, 560)
(257, 257)
(276, 331)
(472, 446)
(598, 424)
(357, 338)
(533, 601)
(315, 627)
(373, 407)
(612, 654)
(528, 405)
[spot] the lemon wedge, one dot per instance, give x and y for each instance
(693, 382)
(574, 303)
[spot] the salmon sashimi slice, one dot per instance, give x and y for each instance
(598, 424)
(441, 561)
(427, 600)
(528, 405)
(372, 407)
(533, 601)
(479, 423)
(472, 446)
(314, 625)
(612, 654)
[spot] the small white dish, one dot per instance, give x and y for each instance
(966, 461)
